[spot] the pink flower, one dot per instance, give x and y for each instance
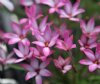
(70, 11)
(18, 35)
(5, 58)
(41, 27)
(92, 60)
(38, 53)
(33, 13)
(63, 64)
(23, 53)
(54, 4)
(47, 40)
(8, 4)
(36, 70)
(89, 29)
(87, 43)
(62, 30)
(66, 44)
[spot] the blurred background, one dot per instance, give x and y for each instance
(81, 74)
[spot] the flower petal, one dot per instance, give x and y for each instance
(30, 75)
(92, 67)
(38, 79)
(45, 72)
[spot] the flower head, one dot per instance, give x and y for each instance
(66, 44)
(23, 53)
(71, 11)
(47, 40)
(87, 43)
(54, 4)
(92, 60)
(89, 29)
(36, 70)
(18, 35)
(63, 64)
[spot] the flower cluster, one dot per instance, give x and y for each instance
(35, 53)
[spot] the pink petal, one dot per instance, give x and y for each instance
(26, 2)
(83, 26)
(53, 40)
(92, 67)
(30, 75)
(96, 30)
(43, 24)
(63, 14)
(19, 60)
(85, 62)
(10, 61)
(89, 54)
(44, 64)
(52, 10)
(48, 2)
(18, 53)
(68, 6)
(14, 40)
(35, 63)
(90, 25)
(39, 43)
(10, 35)
(16, 28)
(27, 67)
(46, 51)
(74, 19)
(78, 12)
(67, 68)
(38, 79)
(45, 72)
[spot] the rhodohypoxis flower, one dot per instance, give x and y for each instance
(38, 53)
(63, 64)
(89, 29)
(8, 4)
(23, 53)
(87, 43)
(66, 44)
(54, 4)
(92, 60)
(62, 30)
(33, 13)
(36, 70)
(41, 27)
(5, 58)
(47, 40)
(71, 11)
(18, 35)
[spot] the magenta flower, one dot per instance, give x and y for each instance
(8, 4)
(70, 11)
(89, 29)
(36, 70)
(47, 40)
(92, 60)
(5, 58)
(87, 43)
(41, 27)
(23, 53)
(54, 4)
(38, 53)
(62, 30)
(66, 44)
(63, 64)
(18, 35)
